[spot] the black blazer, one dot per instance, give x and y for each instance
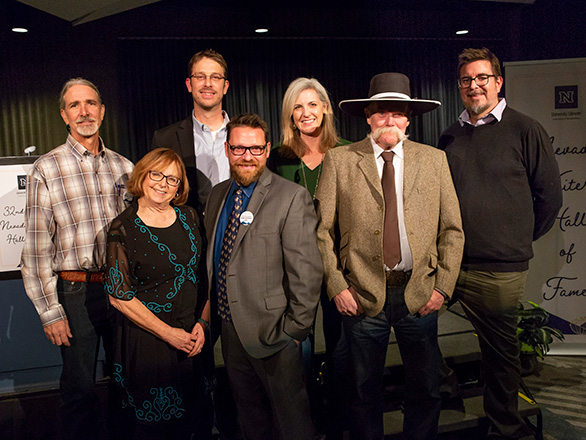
(179, 137)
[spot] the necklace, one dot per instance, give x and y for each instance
(301, 164)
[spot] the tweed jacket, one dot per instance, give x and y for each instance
(350, 207)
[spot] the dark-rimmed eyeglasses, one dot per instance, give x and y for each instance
(158, 176)
(480, 80)
(255, 150)
(214, 77)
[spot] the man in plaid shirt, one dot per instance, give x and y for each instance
(73, 193)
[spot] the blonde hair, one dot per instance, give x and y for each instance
(157, 159)
(293, 145)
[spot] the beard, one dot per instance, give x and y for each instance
(245, 178)
(388, 141)
(479, 108)
(89, 130)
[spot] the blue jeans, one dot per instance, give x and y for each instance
(86, 307)
(368, 339)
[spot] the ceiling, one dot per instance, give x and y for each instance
(532, 29)
(83, 11)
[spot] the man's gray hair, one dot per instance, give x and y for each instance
(73, 82)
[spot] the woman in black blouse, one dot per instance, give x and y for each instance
(161, 312)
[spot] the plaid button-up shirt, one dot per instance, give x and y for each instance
(72, 197)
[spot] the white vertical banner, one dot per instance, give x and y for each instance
(13, 171)
(554, 93)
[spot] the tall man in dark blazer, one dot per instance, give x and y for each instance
(391, 240)
(265, 274)
(199, 139)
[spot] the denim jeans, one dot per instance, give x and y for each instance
(368, 339)
(86, 307)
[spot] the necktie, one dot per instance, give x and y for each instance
(391, 244)
(225, 253)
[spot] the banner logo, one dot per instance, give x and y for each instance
(21, 180)
(566, 97)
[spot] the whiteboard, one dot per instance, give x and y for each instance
(13, 171)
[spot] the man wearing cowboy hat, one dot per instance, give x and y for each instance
(391, 240)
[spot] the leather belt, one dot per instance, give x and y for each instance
(397, 278)
(81, 276)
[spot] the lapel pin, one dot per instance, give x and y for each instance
(246, 218)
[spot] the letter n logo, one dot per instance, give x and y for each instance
(566, 97)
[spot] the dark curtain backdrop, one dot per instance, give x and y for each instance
(153, 72)
(143, 83)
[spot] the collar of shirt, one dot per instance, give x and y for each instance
(204, 127)
(495, 113)
(247, 190)
(80, 151)
(378, 151)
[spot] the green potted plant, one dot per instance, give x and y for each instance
(534, 336)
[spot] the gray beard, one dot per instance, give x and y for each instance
(477, 109)
(87, 131)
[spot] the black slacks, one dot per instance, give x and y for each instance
(270, 394)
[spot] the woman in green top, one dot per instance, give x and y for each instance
(309, 131)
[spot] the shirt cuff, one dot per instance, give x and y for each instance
(53, 315)
(444, 294)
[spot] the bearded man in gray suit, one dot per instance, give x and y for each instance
(265, 275)
(391, 240)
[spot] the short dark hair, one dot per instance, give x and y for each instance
(211, 54)
(77, 82)
(158, 159)
(250, 120)
(470, 55)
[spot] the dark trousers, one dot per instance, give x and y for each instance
(490, 301)
(368, 339)
(86, 307)
(270, 393)
(337, 369)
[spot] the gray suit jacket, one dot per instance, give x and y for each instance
(351, 215)
(275, 271)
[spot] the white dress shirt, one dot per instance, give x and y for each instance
(406, 263)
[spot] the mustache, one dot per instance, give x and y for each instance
(85, 119)
(383, 130)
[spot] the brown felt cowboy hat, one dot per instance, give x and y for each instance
(393, 88)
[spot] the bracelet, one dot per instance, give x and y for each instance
(203, 321)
